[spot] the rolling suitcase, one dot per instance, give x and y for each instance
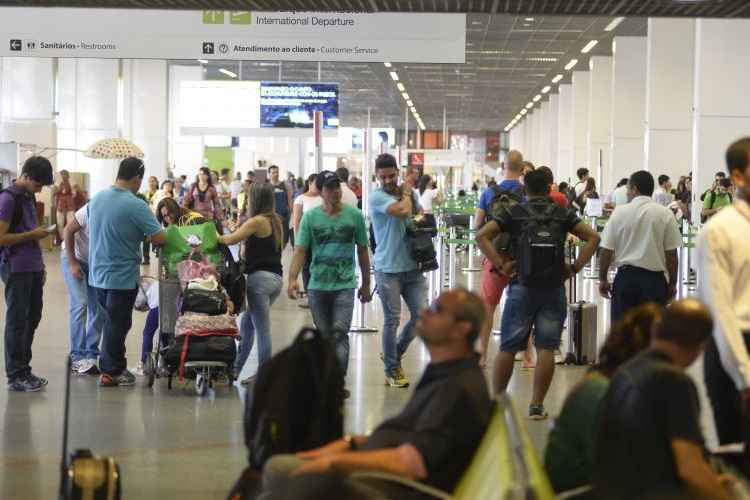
(84, 476)
(582, 327)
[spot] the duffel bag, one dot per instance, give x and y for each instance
(215, 348)
(198, 300)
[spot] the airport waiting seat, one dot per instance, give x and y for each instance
(505, 467)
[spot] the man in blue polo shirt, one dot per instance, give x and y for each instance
(118, 222)
(397, 274)
(22, 270)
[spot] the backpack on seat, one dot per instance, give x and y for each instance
(296, 403)
(540, 248)
(502, 202)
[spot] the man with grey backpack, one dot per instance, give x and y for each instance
(536, 294)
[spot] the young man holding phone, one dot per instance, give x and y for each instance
(22, 270)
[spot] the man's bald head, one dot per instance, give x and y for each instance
(686, 322)
(466, 306)
(514, 162)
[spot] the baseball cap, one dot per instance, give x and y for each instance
(327, 179)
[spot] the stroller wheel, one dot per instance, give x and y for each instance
(149, 369)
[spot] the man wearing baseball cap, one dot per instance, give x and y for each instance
(331, 232)
(22, 270)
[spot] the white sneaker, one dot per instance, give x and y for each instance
(303, 303)
(559, 359)
(397, 379)
(75, 367)
(138, 369)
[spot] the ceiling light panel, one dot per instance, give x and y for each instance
(394, 76)
(568, 66)
(400, 86)
(614, 24)
(557, 78)
(587, 48)
(546, 89)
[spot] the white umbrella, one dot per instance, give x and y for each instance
(113, 149)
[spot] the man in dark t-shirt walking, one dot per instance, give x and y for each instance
(649, 442)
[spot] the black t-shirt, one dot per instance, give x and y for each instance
(649, 403)
(281, 198)
(445, 420)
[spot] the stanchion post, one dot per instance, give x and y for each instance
(360, 311)
(452, 258)
(470, 268)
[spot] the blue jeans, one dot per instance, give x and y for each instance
(412, 286)
(117, 311)
(23, 299)
(149, 329)
(84, 315)
(332, 313)
(544, 308)
(263, 288)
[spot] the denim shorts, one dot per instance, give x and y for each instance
(543, 308)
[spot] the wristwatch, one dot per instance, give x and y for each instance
(349, 439)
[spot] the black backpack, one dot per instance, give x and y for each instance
(540, 248)
(502, 201)
(297, 400)
(15, 219)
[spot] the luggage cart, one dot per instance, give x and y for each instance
(204, 372)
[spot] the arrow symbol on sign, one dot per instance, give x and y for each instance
(15, 45)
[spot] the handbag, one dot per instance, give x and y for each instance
(176, 248)
(233, 279)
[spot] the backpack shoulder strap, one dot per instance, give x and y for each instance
(17, 210)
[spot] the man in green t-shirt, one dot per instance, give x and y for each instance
(716, 200)
(330, 233)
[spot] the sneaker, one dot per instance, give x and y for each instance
(537, 412)
(518, 356)
(559, 359)
(26, 384)
(41, 380)
(347, 394)
(397, 379)
(123, 379)
(139, 369)
(303, 303)
(75, 366)
(90, 368)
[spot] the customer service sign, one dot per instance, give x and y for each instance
(217, 34)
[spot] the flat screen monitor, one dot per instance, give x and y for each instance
(292, 105)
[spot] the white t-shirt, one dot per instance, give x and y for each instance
(82, 236)
(580, 188)
(426, 199)
(348, 196)
(235, 188)
(640, 232)
(620, 196)
(308, 202)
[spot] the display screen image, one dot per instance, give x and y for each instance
(292, 105)
(416, 159)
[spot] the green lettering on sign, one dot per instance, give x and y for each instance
(240, 17)
(213, 17)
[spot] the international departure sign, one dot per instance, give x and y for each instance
(232, 35)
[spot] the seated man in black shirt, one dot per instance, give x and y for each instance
(435, 436)
(649, 442)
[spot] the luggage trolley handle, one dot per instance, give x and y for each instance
(573, 282)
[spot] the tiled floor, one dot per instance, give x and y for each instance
(172, 444)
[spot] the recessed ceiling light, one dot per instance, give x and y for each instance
(507, 128)
(228, 73)
(405, 96)
(557, 78)
(518, 117)
(387, 64)
(546, 89)
(202, 61)
(410, 104)
(536, 98)
(614, 24)
(524, 111)
(529, 19)
(400, 86)
(394, 75)
(568, 66)
(476, 23)
(529, 105)
(589, 46)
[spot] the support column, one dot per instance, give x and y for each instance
(628, 105)
(565, 134)
(552, 126)
(669, 96)
(579, 121)
(600, 110)
(544, 134)
(721, 110)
